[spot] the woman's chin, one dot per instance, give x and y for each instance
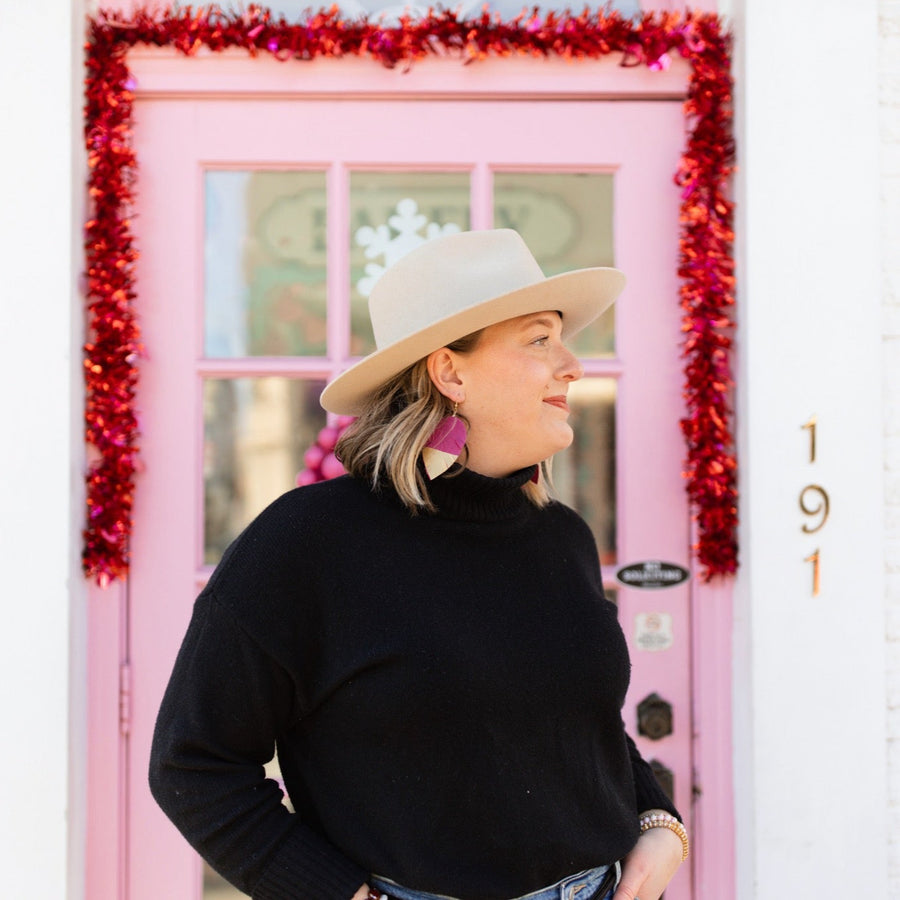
(555, 447)
(565, 437)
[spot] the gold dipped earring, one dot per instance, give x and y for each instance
(445, 444)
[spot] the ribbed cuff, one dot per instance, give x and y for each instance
(649, 793)
(306, 867)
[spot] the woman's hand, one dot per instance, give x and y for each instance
(646, 871)
(650, 865)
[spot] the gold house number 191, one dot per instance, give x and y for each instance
(815, 504)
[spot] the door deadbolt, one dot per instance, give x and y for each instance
(654, 717)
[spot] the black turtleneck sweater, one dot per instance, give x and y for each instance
(444, 692)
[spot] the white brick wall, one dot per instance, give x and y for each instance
(810, 317)
(40, 452)
(889, 98)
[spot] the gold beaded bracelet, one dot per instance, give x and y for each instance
(664, 820)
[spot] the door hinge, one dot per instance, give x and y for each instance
(124, 698)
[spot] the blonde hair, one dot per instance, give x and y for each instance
(385, 442)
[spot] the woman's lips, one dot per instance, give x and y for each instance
(559, 401)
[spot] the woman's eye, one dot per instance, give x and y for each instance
(541, 340)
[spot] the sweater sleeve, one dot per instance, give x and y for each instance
(225, 703)
(649, 793)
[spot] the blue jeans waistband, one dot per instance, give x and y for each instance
(573, 887)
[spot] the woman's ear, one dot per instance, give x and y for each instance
(442, 371)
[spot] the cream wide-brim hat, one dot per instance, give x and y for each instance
(456, 284)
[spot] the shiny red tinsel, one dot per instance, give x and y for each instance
(706, 264)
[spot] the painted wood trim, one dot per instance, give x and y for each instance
(233, 73)
(107, 760)
(712, 839)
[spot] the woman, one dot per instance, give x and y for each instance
(425, 641)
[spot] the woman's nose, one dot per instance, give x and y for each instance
(570, 369)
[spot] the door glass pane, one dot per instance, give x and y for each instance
(215, 887)
(375, 9)
(566, 218)
(584, 474)
(390, 213)
(264, 263)
(256, 431)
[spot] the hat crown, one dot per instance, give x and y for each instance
(443, 277)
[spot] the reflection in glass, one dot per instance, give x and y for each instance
(297, 10)
(388, 211)
(264, 263)
(256, 431)
(584, 475)
(566, 218)
(215, 887)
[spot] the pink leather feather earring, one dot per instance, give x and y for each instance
(445, 444)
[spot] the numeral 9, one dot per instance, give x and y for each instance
(821, 510)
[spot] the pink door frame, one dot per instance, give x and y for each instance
(163, 74)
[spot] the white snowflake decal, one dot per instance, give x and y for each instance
(407, 222)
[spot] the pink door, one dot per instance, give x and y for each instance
(258, 226)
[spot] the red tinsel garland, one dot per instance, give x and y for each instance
(706, 264)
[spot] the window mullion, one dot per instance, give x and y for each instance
(338, 254)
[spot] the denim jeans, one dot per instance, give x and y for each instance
(574, 887)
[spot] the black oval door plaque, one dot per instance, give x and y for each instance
(652, 574)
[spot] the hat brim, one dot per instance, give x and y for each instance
(580, 296)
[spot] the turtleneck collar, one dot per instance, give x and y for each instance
(464, 494)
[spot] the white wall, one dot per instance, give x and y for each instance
(809, 670)
(39, 453)
(889, 66)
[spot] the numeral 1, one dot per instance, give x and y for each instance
(811, 425)
(814, 559)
